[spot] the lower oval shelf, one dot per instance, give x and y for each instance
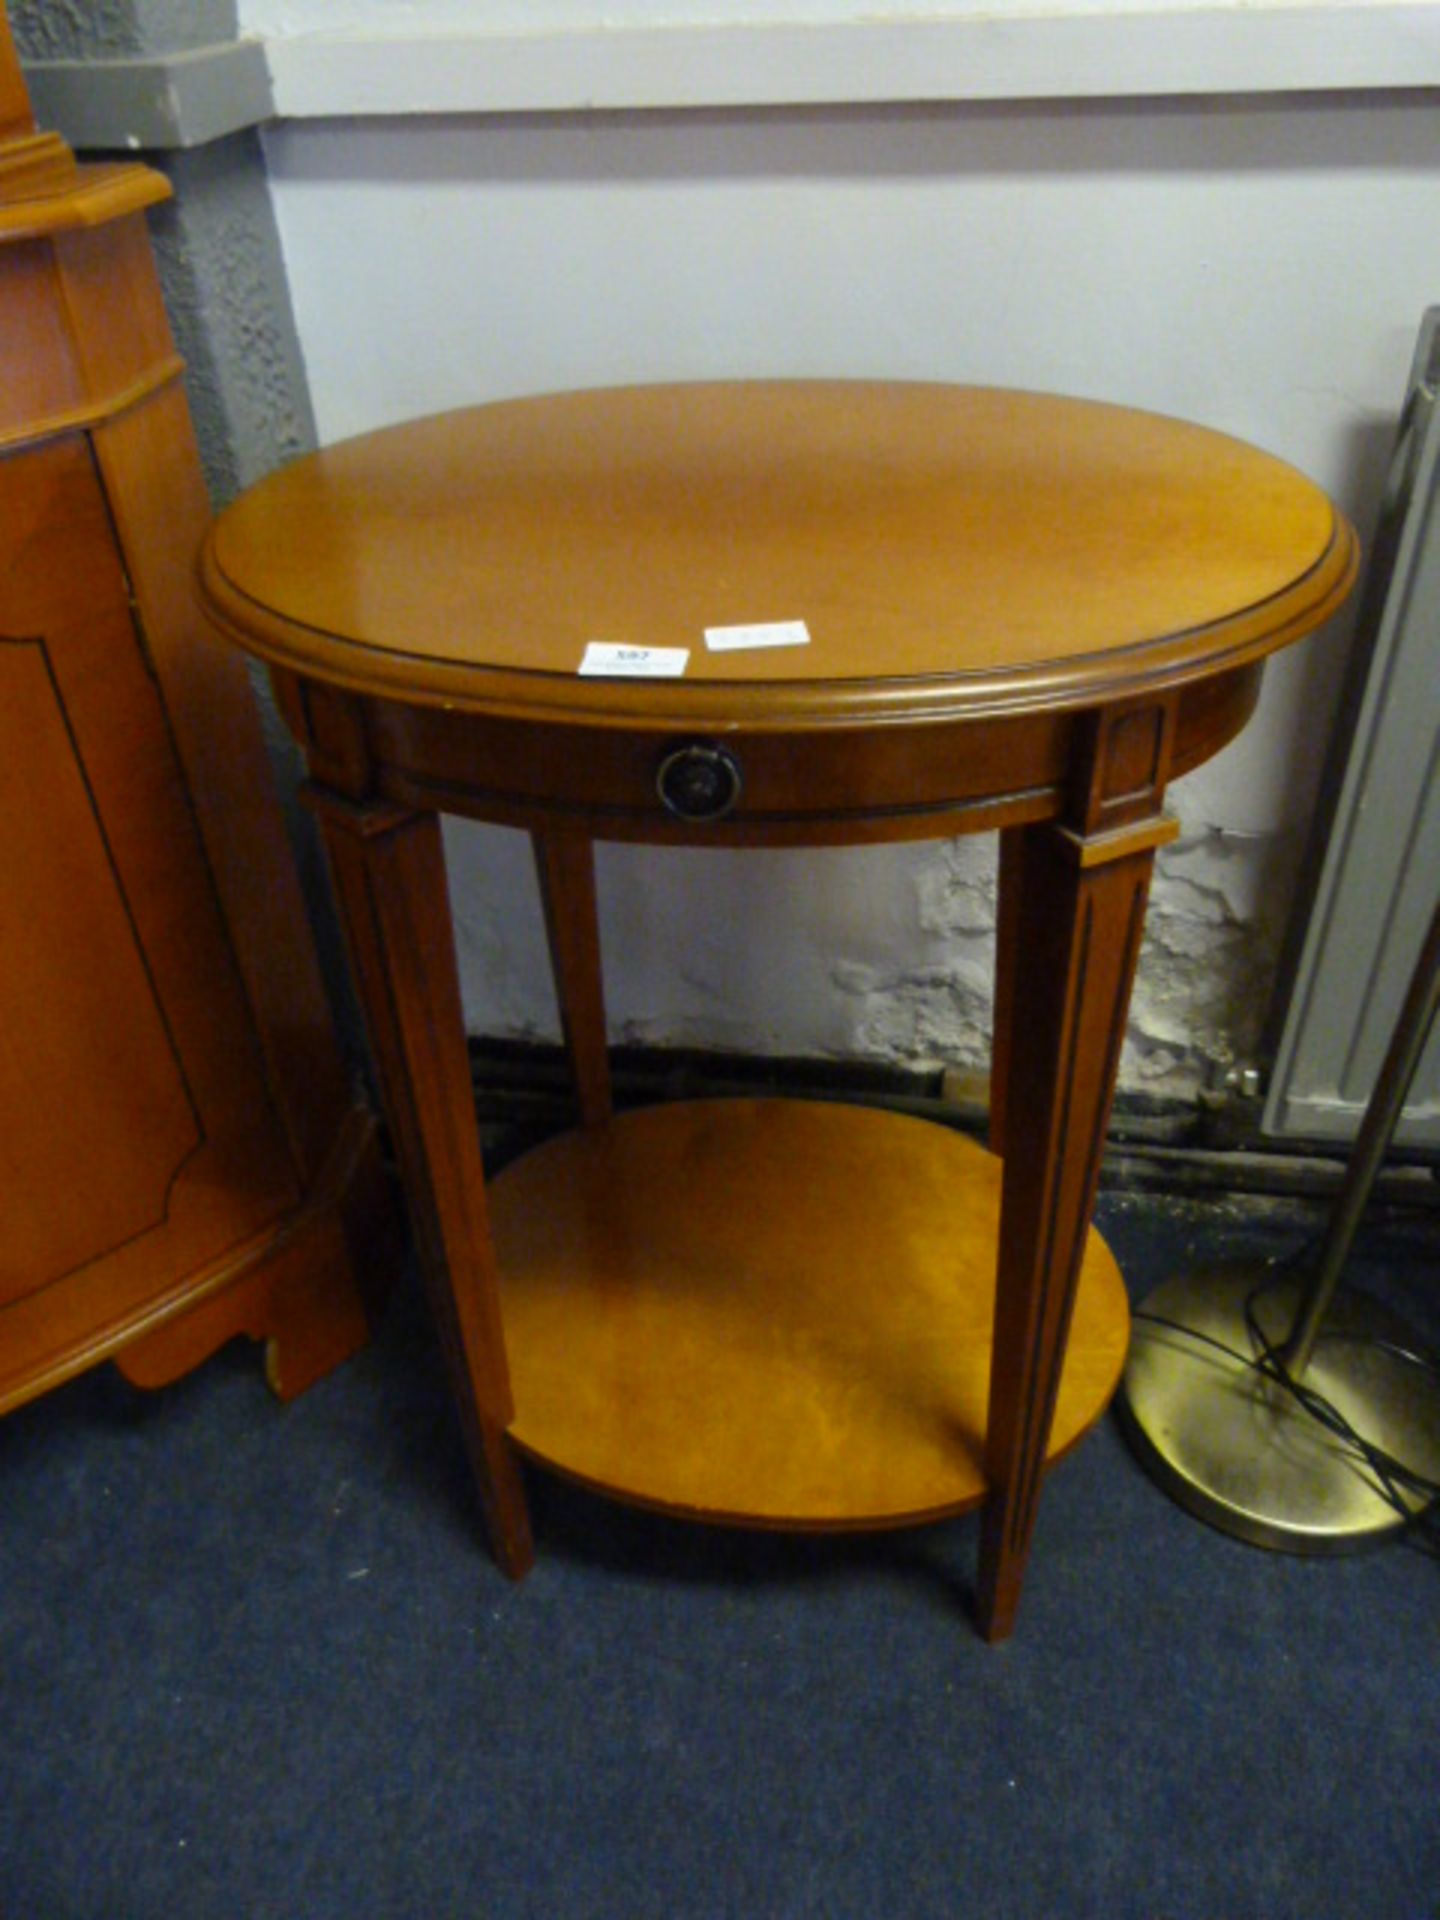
(771, 1313)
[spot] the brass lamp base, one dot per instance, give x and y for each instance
(1237, 1450)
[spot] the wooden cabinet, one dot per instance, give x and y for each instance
(181, 1158)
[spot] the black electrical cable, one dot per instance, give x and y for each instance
(1391, 1475)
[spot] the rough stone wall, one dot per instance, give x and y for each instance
(70, 29)
(77, 29)
(216, 244)
(224, 282)
(1211, 943)
(891, 949)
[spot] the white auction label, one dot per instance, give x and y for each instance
(769, 633)
(605, 657)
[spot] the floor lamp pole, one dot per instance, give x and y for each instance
(1407, 1044)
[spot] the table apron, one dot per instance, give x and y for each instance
(894, 781)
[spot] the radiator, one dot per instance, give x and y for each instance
(1377, 879)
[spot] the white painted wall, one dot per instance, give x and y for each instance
(1260, 266)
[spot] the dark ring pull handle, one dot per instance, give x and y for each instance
(698, 782)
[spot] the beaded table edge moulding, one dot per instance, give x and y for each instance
(1021, 613)
(431, 575)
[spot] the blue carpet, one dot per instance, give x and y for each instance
(255, 1664)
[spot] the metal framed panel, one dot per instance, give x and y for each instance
(1381, 870)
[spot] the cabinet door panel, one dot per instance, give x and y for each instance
(137, 1136)
(87, 1068)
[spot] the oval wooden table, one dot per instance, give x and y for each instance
(1025, 614)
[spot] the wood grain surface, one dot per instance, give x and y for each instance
(771, 1311)
(983, 548)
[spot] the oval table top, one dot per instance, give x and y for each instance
(950, 549)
